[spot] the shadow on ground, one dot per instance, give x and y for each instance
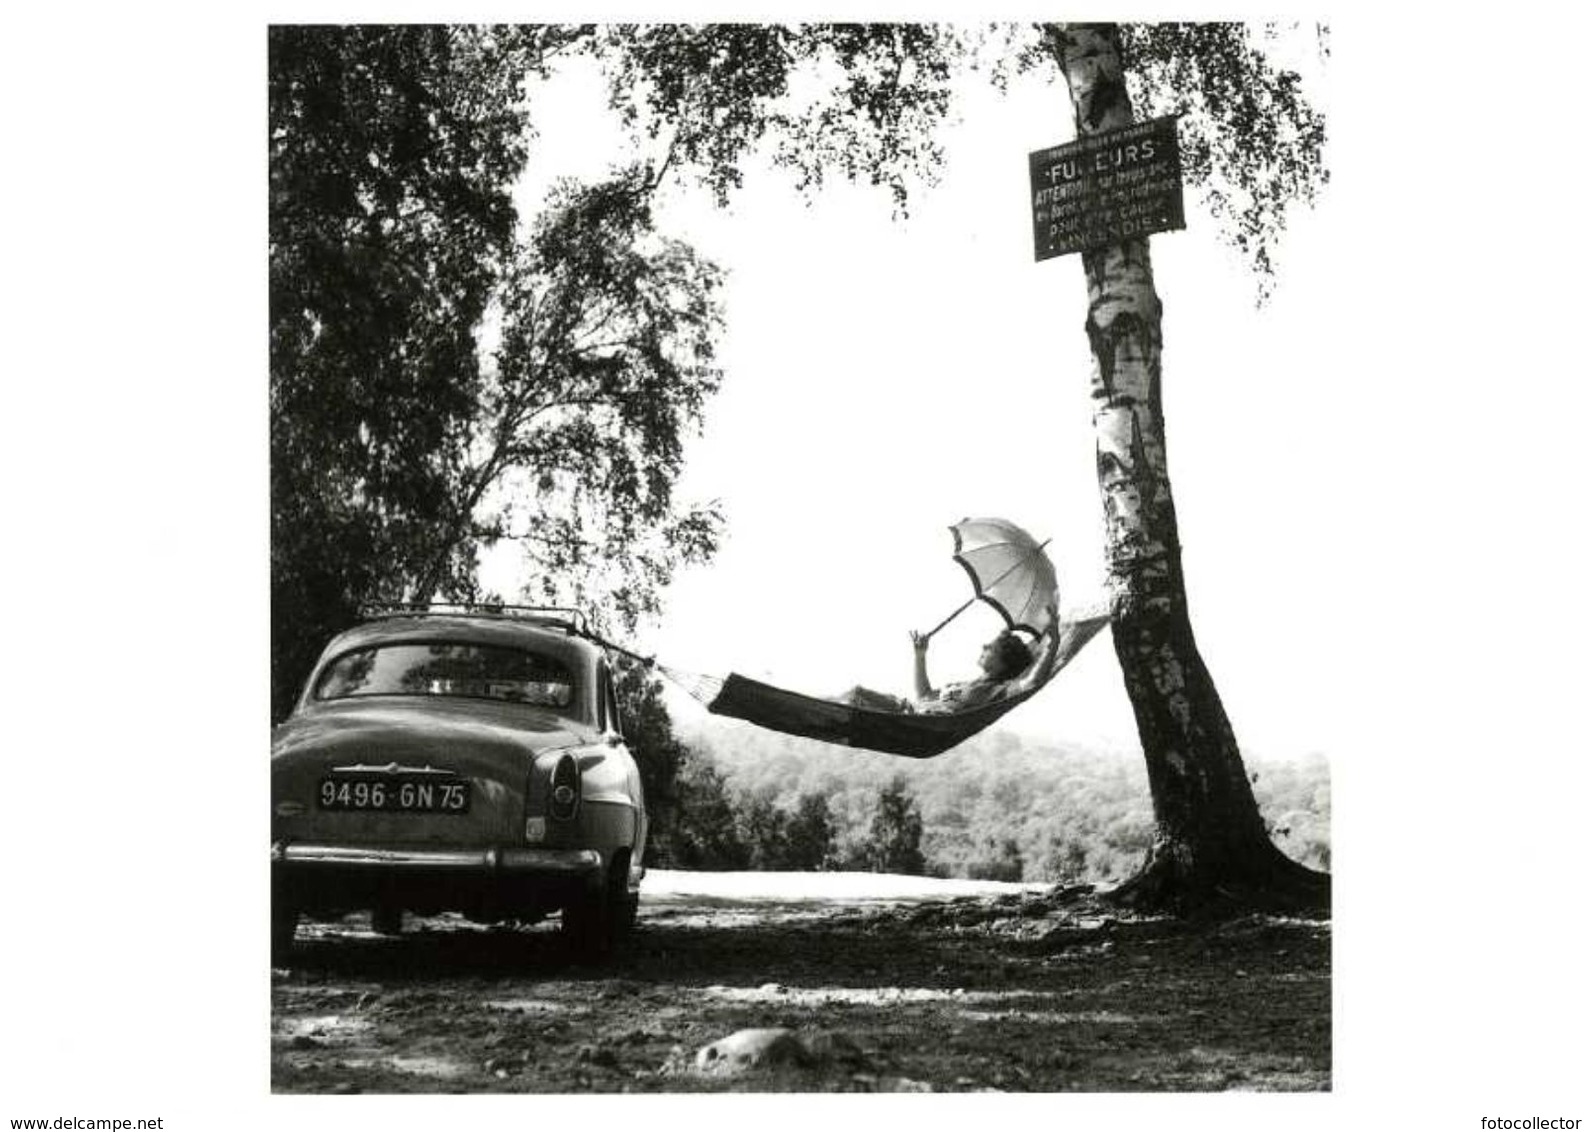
(966, 995)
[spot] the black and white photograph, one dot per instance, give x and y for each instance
(757, 556)
(743, 369)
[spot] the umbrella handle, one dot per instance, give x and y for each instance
(959, 611)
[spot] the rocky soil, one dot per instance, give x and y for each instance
(1020, 992)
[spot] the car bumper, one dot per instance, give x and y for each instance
(488, 883)
(548, 862)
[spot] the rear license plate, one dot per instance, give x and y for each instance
(395, 793)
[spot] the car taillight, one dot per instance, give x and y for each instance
(564, 795)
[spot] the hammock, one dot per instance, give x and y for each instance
(895, 733)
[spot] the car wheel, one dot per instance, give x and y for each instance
(386, 920)
(595, 922)
(284, 925)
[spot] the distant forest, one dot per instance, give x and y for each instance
(997, 808)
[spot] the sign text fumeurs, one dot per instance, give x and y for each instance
(1107, 187)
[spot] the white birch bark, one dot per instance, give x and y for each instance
(1210, 838)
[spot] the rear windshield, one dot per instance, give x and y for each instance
(491, 672)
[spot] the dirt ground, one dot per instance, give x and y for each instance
(1010, 993)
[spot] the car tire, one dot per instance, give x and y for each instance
(284, 925)
(595, 922)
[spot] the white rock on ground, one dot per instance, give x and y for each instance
(776, 1047)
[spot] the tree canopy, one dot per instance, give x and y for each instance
(606, 360)
(402, 438)
(391, 152)
(864, 101)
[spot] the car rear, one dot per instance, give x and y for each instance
(435, 768)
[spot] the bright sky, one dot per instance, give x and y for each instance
(885, 378)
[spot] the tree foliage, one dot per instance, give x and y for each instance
(1249, 137)
(810, 834)
(895, 836)
(659, 753)
(1002, 860)
(400, 442)
(1000, 807)
(706, 833)
(801, 838)
(391, 153)
(764, 828)
(605, 364)
(862, 100)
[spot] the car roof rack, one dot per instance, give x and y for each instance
(556, 616)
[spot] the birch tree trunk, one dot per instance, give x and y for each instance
(1210, 846)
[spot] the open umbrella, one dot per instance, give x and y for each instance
(1009, 570)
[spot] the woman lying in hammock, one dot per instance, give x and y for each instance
(1007, 667)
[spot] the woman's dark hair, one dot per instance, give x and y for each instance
(1012, 654)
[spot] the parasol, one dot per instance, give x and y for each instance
(1009, 570)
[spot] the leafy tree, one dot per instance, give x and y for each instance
(659, 753)
(810, 834)
(722, 90)
(391, 153)
(895, 837)
(763, 828)
(400, 441)
(1002, 860)
(1254, 144)
(605, 364)
(706, 834)
(1068, 860)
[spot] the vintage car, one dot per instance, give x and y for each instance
(460, 761)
